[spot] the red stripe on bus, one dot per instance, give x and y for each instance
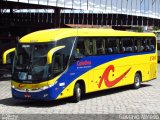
(105, 75)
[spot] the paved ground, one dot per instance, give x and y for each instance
(145, 100)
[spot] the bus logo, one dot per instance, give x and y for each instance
(84, 63)
(21, 85)
(105, 75)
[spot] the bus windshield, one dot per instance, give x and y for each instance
(30, 62)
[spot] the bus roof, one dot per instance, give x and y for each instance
(57, 34)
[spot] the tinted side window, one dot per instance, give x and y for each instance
(80, 48)
(145, 44)
(99, 46)
(61, 57)
(138, 44)
(153, 43)
(87, 46)
(127, 45)
(148, 44)
(112, 45)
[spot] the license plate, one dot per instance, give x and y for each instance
(27, 96)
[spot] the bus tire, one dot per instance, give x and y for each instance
(77, 93)
(137, 81)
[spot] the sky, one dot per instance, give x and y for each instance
(148, 8)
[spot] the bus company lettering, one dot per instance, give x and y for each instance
(83, 63)
(21, 85)
(105, 75)
(35, 86)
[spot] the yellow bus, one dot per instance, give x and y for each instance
(69, 62)
(157, 33)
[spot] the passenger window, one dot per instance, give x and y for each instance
(112, 45)
(152, 43)
(80, 49)
(64, 54)
(99, 46)
(135, 42)
(88, 45)
(85, 47)
(127, 45)
(58, 63)
(147, 45)
(144, 45)
(138, 45)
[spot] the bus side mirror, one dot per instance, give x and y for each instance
(51, 52)
(6, 53)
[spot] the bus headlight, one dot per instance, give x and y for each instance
(12, 86)
(45, 87)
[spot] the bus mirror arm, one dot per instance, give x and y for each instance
(7, 52)
(51, 52)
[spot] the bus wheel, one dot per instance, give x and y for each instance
(77, 93)
(137, 81)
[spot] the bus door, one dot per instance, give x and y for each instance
(83, 60)
(61, 63)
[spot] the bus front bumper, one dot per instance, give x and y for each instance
(44, 95)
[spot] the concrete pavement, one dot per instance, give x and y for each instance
(145, 100)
